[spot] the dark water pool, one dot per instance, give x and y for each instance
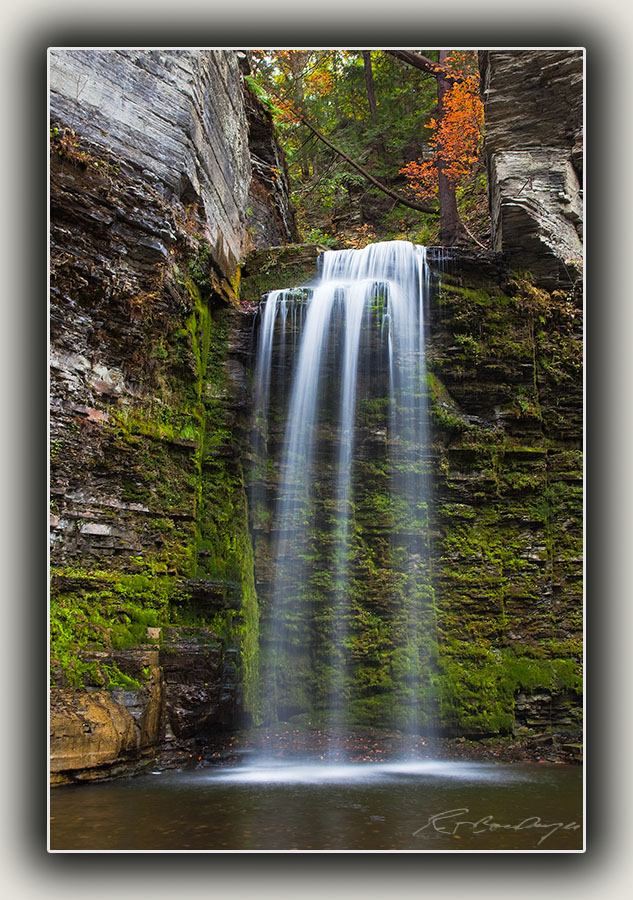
(304, 805)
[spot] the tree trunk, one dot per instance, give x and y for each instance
(369, 83)
(451, 229)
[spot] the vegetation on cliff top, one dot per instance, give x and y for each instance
(348, 116)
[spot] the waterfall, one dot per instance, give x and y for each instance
(354, 338)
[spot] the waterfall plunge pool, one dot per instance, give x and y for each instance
(309, 804)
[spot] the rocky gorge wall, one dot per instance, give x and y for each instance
(533, 102)
(505, 382)
(153, 610)
(165, 175)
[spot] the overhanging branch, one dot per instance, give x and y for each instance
(425, 65)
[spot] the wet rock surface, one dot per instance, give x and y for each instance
(285, 742)
(278, 267)
(200, 682)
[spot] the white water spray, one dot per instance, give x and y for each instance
(367, 308)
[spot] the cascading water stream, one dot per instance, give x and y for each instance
(361, 323)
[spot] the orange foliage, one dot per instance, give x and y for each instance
(287, 114)
(457, 138)
(362, 235)
(320, 81)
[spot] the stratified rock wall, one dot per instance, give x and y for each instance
(176, 115)
(149, 202)
(533, 102)
(270, 220)
(506, 404)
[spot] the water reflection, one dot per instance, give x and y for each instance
(423, 805)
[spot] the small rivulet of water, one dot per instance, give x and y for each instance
(354, 337)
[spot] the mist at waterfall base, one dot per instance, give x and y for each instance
(355, 337)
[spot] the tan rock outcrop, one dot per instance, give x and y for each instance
(88, 730)
(93, 730)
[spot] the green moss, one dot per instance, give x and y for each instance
(261, 95)
(166, 453)
(452, 294)
(477, 686)
(157, 420)
(115, 678)
(457, 511)
(471, 347)
(200, 267)
(373, 411)
(101, 610)
(443, 410)
(277, 267)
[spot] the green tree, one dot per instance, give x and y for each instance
(350, 121)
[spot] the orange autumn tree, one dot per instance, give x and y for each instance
(457, 137)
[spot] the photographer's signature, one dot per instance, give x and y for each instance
(450, 822)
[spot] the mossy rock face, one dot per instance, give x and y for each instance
(507, 517)
(146, 453)
(278, 267)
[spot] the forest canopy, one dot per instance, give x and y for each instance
(379, 144)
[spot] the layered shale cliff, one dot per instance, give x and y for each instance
(533, 103)
(153, 610)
